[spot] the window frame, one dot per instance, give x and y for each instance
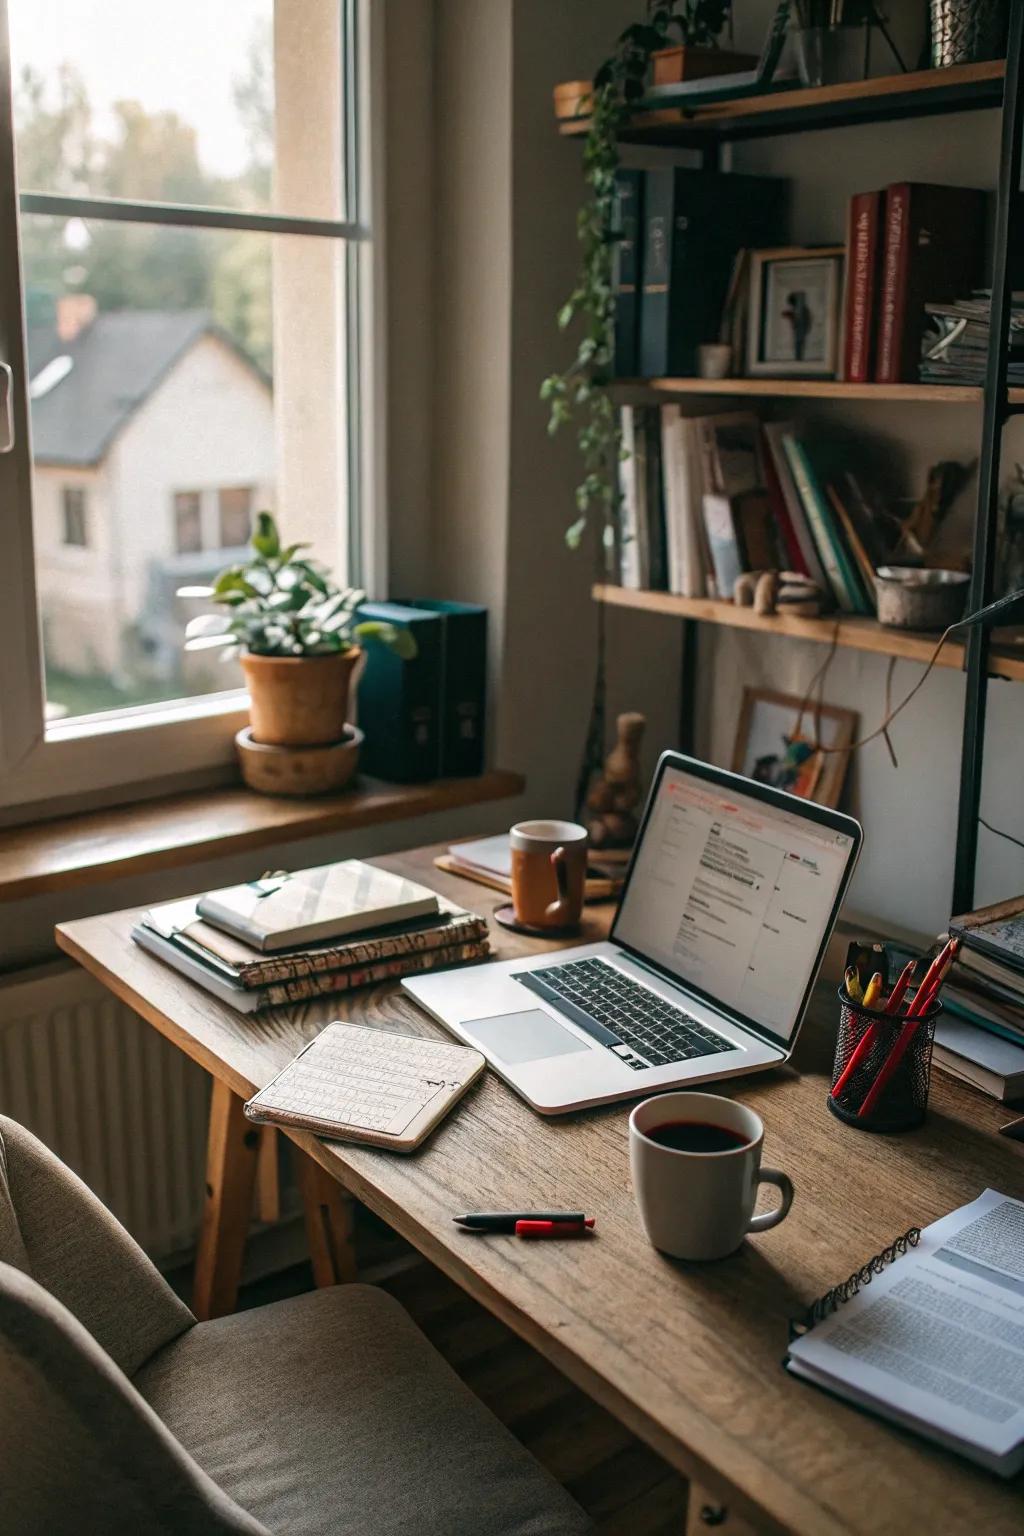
(121, 750)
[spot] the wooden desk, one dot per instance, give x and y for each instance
(688, 1357)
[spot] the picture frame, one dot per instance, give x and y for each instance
(795, 300)
(767, 721)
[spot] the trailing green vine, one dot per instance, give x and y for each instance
(578, 392)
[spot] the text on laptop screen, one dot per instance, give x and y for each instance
(733, 896)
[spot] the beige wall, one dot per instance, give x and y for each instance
(501, 200)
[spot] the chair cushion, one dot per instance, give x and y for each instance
(332, 1415)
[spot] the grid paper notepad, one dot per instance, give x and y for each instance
(368, 1085)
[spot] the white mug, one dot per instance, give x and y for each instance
(700, 1204)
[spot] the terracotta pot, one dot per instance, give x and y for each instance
(573, 98)
(299, 701)
(674, 65)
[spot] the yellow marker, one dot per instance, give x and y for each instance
(853, 990)
(874, 990)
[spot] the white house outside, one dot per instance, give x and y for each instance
(153, 443)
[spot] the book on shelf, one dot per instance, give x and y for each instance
(932, 251)
(996, 933)
(627, 216)
(838, 565)
(863, 263)
(954, 347)
(283, 911)
(643, 548)
(694, 224)
(775, 433)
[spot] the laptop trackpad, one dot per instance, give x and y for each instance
(527, 1036)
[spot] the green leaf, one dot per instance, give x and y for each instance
(574, 533)
(266, 540)
(399, 640)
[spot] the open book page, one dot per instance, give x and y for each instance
(937, 1339)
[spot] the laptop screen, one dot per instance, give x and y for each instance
(734, 895)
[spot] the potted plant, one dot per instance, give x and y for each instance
(699, 24)
(296, 635)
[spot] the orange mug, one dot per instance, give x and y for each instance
(549, 869)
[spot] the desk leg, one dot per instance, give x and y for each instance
(268, 1181)
(231, 1153)
(706, 1514)
(329, 1222)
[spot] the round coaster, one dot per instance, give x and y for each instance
(506, 916)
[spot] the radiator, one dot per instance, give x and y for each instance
(117, 1103)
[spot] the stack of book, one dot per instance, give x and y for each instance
(488, 861)
(287, 938)
(980, 1037)
(707, 498)
(907, 246)
(954, 349)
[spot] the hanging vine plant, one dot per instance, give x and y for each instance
(578, 393)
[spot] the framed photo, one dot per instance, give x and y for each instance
(770, 749)
(794, 312)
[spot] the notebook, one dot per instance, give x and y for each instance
(930, 1333)
(282, 911)
(368, 1085)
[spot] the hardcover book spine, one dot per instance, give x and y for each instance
(463, 688)
(726, 557)
(629, 548)
(817, 518)
(658, 199)
(627, 225)
(862, 264)
(399, 701)
(892, 309)
(780, 511)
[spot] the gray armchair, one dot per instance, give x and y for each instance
(326, 1415)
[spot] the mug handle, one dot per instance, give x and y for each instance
(784, 1185)
(557, 912)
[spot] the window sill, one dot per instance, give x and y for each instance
(77, 851)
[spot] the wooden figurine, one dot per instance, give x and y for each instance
(616, 791)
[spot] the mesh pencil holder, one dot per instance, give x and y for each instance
(882, 1067)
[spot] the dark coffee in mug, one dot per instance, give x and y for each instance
(696, 1136)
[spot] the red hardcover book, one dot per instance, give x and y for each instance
(863, 249)
(933, 253)
(780, 511)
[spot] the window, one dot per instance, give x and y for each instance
(234, 504)
(73, 506)
(188, 531)
(190, 332)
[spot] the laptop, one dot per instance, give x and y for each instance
(730, 899)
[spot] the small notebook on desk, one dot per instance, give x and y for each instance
(930, 1334)
(281, 911)
(368, 1085)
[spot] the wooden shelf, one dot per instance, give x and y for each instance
(854, 634)
(75, 851)
(961, 88)
(819, 389)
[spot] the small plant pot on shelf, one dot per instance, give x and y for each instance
(300, 771)
(573, 98)
(299, 701)
(672, 66)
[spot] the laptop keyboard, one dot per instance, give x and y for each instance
(637, 1024)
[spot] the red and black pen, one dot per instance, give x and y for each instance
(527, 1223)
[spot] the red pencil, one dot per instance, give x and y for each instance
(872, 1033)
(926, 995)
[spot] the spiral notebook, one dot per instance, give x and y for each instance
(930, 1333)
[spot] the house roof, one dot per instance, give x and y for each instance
(116, 364)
